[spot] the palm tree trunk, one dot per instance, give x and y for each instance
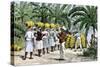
(44, 19)
(94, 31)
(55, 20)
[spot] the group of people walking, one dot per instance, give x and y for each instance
(46, 40)
(42, 40)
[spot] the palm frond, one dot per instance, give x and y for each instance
(82, 24)
(78, 20)
(77, 13)
(77, 9)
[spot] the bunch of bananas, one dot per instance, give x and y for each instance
(47, 25)
(30, 23)
(40, 24)
(68, 38)
(52, 25)
(15, 47)
(70, 41)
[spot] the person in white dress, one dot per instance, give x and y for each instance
(78, 41)
(45, 41)
(89, 39)
(29, 38)
(35, 35)
(51, 39)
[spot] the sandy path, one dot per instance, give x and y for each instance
(70, 56)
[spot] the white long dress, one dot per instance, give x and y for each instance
(89, 39)
(78, 41)
(45, 39)
(51, 38)
(29, 43)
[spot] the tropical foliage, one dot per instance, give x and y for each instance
(43, 13)
(90, 52)
(86, 16)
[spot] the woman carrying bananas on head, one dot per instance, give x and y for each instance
(29, 38)
(45, 40)
(51, 38)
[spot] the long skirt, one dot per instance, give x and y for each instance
(51, 41)
(88, 40)
(29, 46)
(45, 43)
(78, 43)
(39, 44)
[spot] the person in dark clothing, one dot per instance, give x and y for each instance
(39, 42)
(62, 37)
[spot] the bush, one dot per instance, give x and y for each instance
(90, 52)
(18, 44)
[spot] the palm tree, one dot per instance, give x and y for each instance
(86, 16)
(60, 14)
(40, 11)
(52, 12)
(18, 13)
(22, 11)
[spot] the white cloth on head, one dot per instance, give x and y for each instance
(64, 27)
(77, 35)
(45, 33)
(33, 27)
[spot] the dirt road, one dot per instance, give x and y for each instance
(51, 58)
